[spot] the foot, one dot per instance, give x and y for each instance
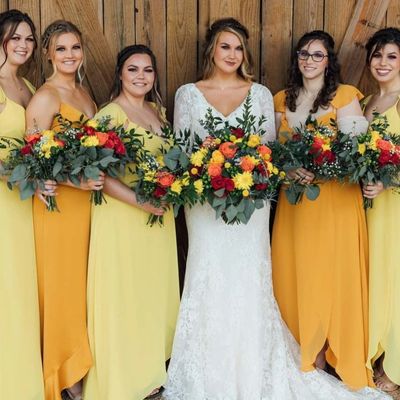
(385, 384)
(155, 393)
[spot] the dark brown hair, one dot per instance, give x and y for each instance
(332, 73)
(381, 38)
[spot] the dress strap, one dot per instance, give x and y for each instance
(3, 97)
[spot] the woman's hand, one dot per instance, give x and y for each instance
(148, 207)
(302, 175)
(371, 190)
(92, 184)
(49, 189)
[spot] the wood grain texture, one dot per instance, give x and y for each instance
(367, 18)
(393, 14)
(3, 5)
(100, 64)
(181, 46)
(276, 42)
(151, 30)
(307, 16)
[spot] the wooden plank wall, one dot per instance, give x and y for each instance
(175, 30)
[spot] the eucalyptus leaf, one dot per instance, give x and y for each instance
(312, 192)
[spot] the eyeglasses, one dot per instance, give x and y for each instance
(318, 56)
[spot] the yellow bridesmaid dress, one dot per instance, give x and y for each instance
(133, 293)
(62, 246)
(319, 261)
(20, 361)
(384, 278)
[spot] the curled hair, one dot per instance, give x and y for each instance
(331, 78)
(154, 94)
(48, 41)
(9, 21)
(233, 26)
(381, 38)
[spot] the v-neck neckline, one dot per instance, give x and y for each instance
(219, 112)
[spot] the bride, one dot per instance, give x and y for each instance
(231, 343)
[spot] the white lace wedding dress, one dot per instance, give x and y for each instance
(231, 342)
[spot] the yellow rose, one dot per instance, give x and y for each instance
(227, 165)
(232, 138)
(275, 171)
(245, 193)
(254, 141)
(89, 141)
(282, 174)
(243, 181)
(217, 157)
(217, 141)
(92, 123)
(49, 134)
(198, 185)
(176, 187)
(361, 148)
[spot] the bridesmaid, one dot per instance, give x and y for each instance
(383, 60)
(319, 248)
(20, 364)
(62, 239)
(133, 289)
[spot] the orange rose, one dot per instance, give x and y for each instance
(165, 179)
(263, 149)
(34, 137)
(384, 145)
(214, 169)
(247, 164)
(228, 149)
(60, 143)
(103, 137)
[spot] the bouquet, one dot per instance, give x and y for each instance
(234, 167)
(163, 178)
(94, 146)
(34, 159)
(319, 149)
(376, 156)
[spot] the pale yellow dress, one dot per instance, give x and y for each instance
(133, 294)
(20, 361)
(384, 260)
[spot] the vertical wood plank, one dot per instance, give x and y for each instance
(307, 16)
(276, 42)
(151, 30)
(248, 13)
(337, 16)
(119, 24)
(181, 46)
(204, 23)
(367, 18)
(393, 14)
(3, 5)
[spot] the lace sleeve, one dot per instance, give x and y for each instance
(267, 109)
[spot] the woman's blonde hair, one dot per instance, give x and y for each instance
(48, 42)
(233, 26)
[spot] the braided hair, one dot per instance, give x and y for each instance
(48, 40)
(332, 73)
(381, 38)
(9, 21)
(233, 26)
(154, 94)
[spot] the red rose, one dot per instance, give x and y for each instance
(159, 192)
(296, 137)
(261, 186)
(120, 148)
(238, 132)
(27, 149)
(395, 159)
(89, 130)
(218, 182)
(384, 158)
(262, 169)
(329, 156)
(229, 185)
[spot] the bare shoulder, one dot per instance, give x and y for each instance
(46, 97)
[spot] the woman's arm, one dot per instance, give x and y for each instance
(118, 190)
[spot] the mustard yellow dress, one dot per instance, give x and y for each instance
(319, 262)
(384, 279)
(20, 360)
(62, 246)
(133, 293)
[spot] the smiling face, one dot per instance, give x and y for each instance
(228, 54)
(385, 63)
(20, 46)
(309, 68)
(138, 75)
(67, 53)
